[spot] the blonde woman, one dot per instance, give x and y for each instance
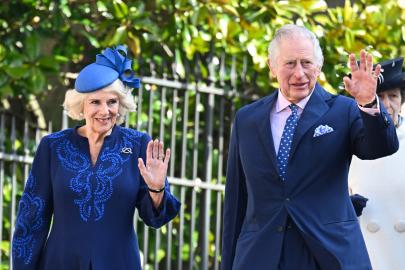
(90, 179)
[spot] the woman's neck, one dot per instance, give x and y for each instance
(93, 137)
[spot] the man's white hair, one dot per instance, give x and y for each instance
(291, 31)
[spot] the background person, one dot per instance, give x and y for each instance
(382, 181)
(88, 180)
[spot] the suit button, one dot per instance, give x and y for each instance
(280, 228)
(287, 199)
(400, 227)
(373, 227)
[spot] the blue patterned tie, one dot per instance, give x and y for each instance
(286, 140)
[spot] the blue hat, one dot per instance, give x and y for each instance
(391, 75)
(112, 64)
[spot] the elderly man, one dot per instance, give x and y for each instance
(383, 181)
(287, 204)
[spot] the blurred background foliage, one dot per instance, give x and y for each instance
(44, 43)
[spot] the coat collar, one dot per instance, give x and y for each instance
(263, 124)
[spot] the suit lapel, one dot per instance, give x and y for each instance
(315, 109)
(263, 124)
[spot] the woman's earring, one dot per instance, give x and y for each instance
(400, 120)
(118, 115)
(81, 114)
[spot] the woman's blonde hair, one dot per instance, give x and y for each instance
(74, 101)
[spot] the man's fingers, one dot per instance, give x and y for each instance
(363, 65)
(353, 63)
(369, 67)
(347, 83)
(377, 70)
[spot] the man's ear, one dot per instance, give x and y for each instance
(272, 68)
(318, 73)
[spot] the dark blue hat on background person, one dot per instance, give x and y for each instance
(111, 65)
(391, 75)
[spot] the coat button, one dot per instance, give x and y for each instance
(280, 228)
(373, 227)
(400, 227)
(287, 199)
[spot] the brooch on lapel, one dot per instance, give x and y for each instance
(126, 150)
(322, 130)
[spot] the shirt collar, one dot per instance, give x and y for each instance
(283, 103)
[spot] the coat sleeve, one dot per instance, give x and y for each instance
(372, 136)
(34, 213)
(235, 201)
(169, 206)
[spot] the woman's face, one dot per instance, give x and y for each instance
(392, 102)
(100, 110)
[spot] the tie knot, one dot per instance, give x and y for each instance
(294, 108)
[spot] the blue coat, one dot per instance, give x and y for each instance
(91, 207)
(315, 193)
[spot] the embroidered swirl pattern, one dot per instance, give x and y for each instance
(94, 187)
(29, 221)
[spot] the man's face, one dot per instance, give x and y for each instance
(295, 68)
(392, 102)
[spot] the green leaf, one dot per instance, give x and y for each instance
(32, 46)
(120, 9)
(322, 19)
(2, 52)
(93, 40)
(403, 32)
(62, 58)
(17, 72)
(119, 36)
(314, 6)
(231, 10)
(37, 80)
(180, 70)
(66, 10)
(5, 247)
(348, 11)
(6, 90)
(161, 254)
(349, 39)
(134, 44)
(48, 62)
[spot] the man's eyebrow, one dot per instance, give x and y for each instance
(289, 59)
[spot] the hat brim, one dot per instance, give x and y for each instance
(396, 81)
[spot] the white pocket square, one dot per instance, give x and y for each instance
(322, 130)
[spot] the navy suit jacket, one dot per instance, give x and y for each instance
(315, 193)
